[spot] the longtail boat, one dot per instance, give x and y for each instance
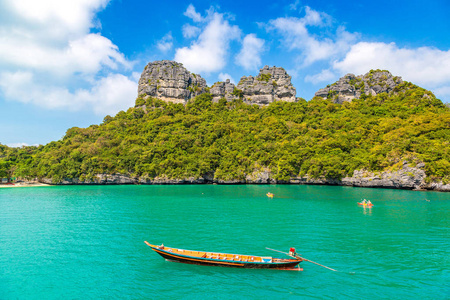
(228, 260)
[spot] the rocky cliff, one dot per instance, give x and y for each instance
(271, 84)
(408, 177)
(170, 81)
(225, 90)
(350, 86)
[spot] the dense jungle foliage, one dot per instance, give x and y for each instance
(232, 139)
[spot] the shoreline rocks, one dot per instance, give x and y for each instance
(410, 178)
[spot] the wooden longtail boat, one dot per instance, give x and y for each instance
(227, 260)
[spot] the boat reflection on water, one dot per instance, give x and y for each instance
(367, 210)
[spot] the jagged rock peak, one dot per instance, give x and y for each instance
(350, 86)
(271, 84)
(223, 90)
(170, 81)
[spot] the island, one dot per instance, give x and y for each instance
(371, 130)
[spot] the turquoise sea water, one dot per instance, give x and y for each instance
(88, 242)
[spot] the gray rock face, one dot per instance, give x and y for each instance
(350, 86)
(97, 179)
(406, 178)
(223, 90)
(261, 176)
(437, 186)
(272, 84)
(170, 81)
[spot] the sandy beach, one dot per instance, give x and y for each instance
(23, 184)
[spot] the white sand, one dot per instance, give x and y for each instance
(23, 184)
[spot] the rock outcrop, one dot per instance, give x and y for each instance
(272, 84)
(170, 81)
(350, 86)
(408, 177)
(225, 90)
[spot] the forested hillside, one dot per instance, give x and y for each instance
(230, 140)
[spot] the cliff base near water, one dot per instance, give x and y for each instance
(408, 177)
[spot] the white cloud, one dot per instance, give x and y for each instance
(117, 92)
(297, 36)
(225, 76)
(193, 14)
(324, 76)
(424, 66)
(166, 43)
(250, 55)
(209, 52)
(293, 6)
(54, 18)
(88, 54)
(19, 145)
(49, 57)
(313, 17)
(190, 31)
(107, 96)
(341, 52)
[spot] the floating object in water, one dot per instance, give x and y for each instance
(294, 254)
(227, 260)
(270, 195)
(365, 204)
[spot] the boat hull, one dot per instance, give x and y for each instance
(280, 264)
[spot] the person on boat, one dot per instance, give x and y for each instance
(364, 202)
(369, 203)
(161, 247)
(292, 252)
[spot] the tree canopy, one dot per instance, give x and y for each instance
(231, 139)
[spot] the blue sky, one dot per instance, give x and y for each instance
(66, 63)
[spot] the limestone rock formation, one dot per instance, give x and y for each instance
(223, 90)
(406, 178)
(170, 81)
(350, 86)
(272, 84)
